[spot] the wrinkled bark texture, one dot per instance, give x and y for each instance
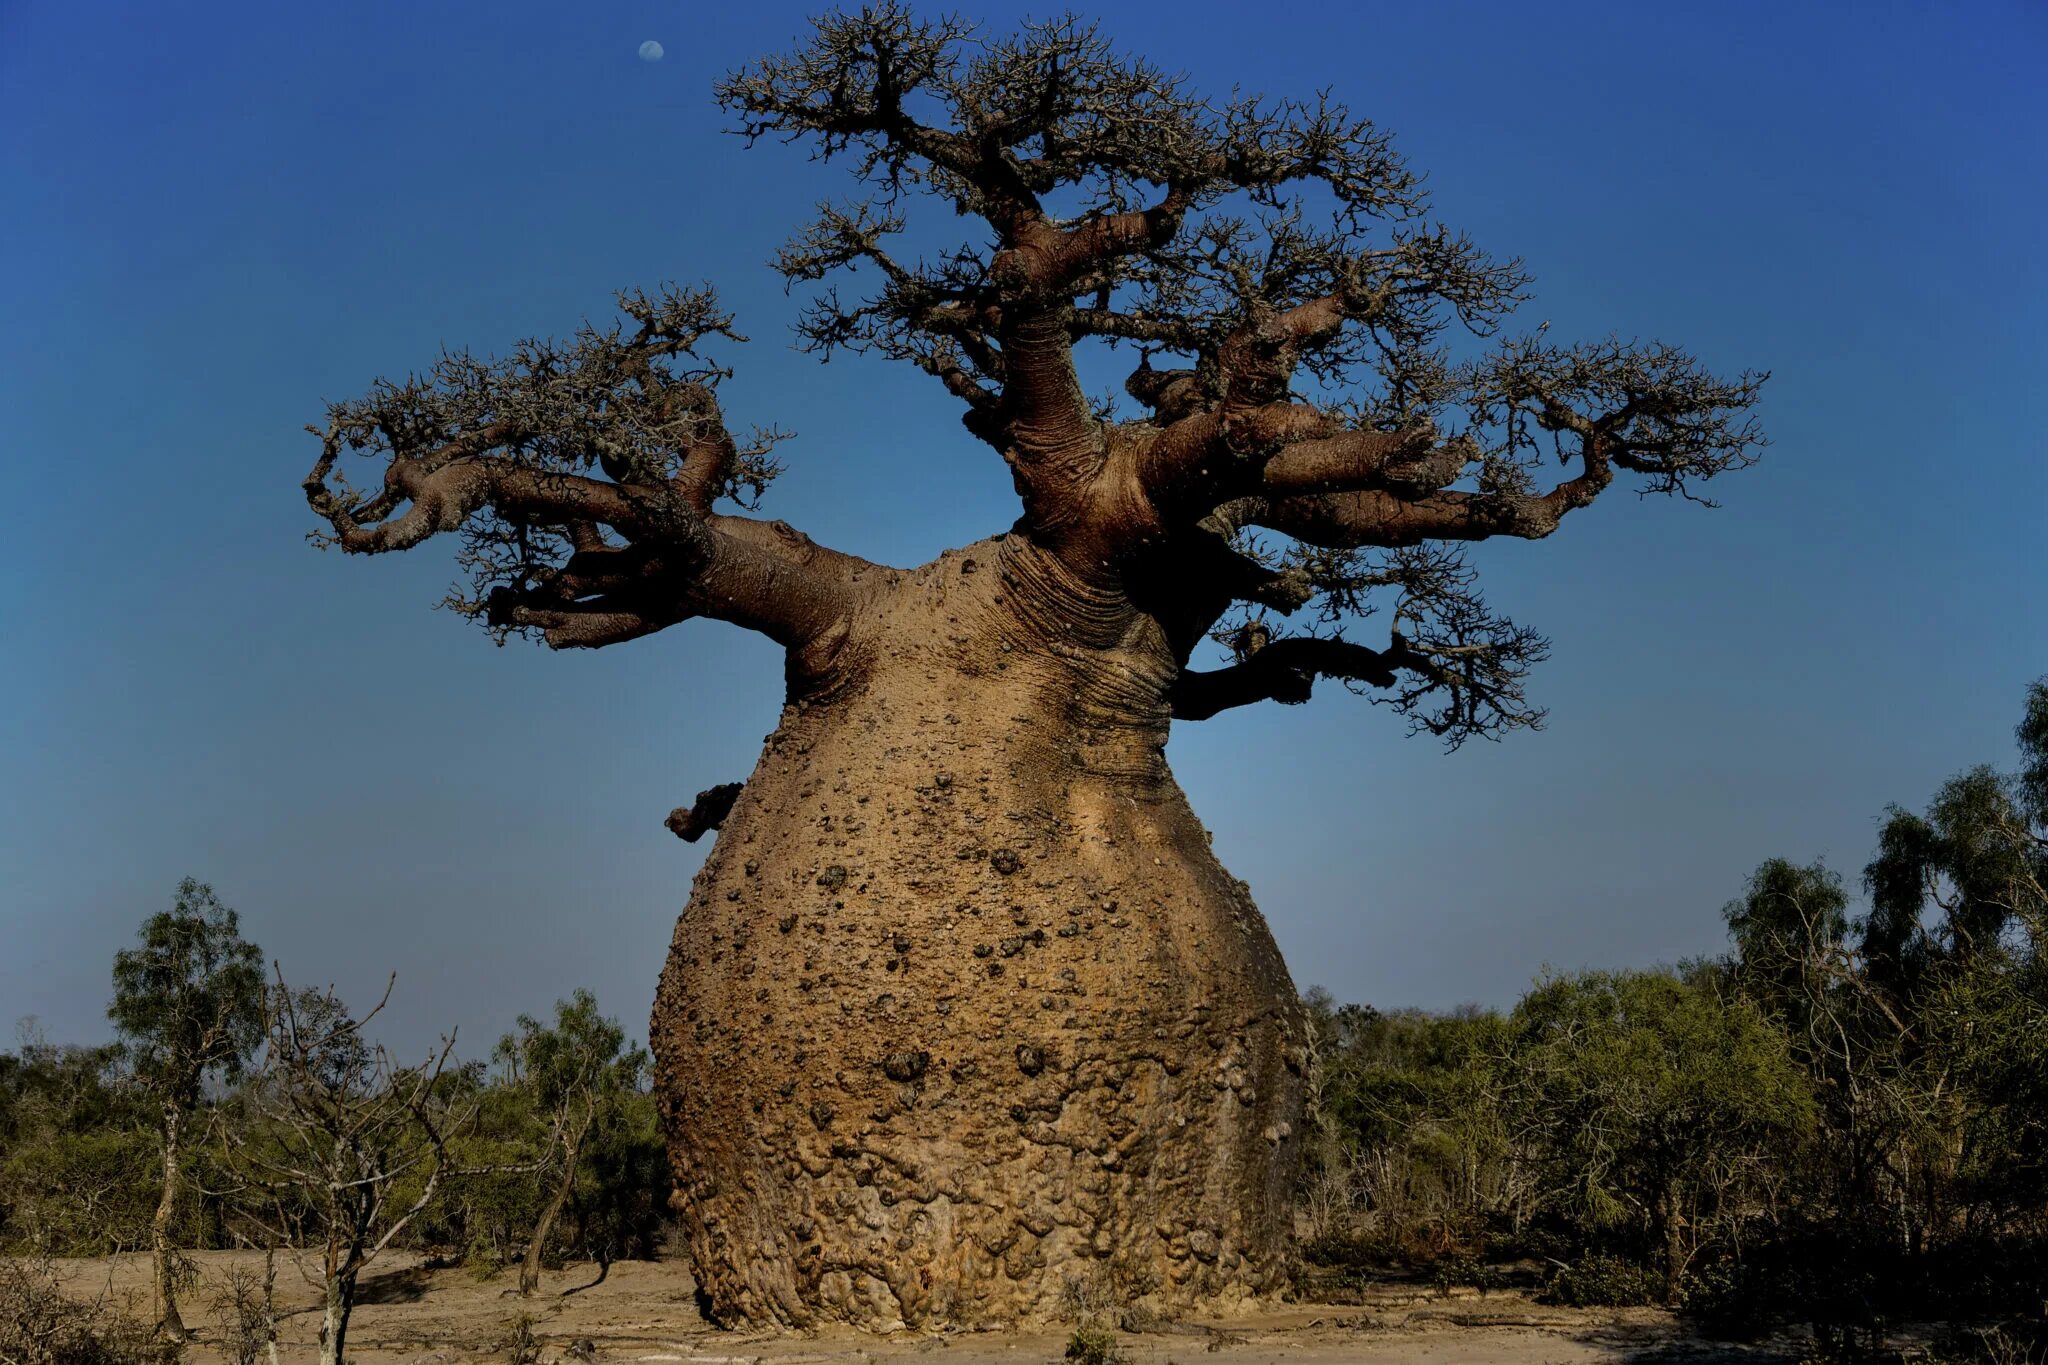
(962, 1008)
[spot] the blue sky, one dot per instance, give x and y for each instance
(217, 217)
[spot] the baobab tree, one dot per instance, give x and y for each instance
(961, 1005)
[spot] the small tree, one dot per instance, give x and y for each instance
(1956, 943)
(1978, 858)
(1648, 1096)
(188, 1002)
(338, 1128)
(1789, 925)
(577, 1071)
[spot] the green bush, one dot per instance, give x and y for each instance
(1729, 1301)
(1600, 1282)
(1464, 1271)
(1092, 1345)
(81, 1194)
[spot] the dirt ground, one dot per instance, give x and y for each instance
(647, 1312)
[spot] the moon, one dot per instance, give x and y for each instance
(650, 51)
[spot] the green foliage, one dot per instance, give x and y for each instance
(1465, 1271)
(1653, 1100)
(507, 1162)
(1094, 1345)
(620, 1203)
(2032, 733)
(1844, 1117)
(1790, 928)
(579, 1055)
(77, 1162)
(189, 1000)
(1405, 1122)
(580, 1079)
(44, 1088)
(81, 1157)
(82, 1194)
(1601, 1282)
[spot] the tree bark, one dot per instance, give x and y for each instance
(270, 1303)
(962, 1009)
(1671, 1227)
(337, 1302)
(529, 1268)
(168, 1320)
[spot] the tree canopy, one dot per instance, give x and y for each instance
(1298, 447)
(188, 1000)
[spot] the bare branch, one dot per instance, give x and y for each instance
(582, 480)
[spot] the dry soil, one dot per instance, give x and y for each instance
(647, 1312)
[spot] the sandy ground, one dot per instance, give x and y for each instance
(647, 1311)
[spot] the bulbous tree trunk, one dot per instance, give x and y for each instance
(962, 1010)
(963, 1016)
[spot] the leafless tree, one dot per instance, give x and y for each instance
(343, 1148)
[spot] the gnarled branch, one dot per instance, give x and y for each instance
(692, 822)
(582, 477)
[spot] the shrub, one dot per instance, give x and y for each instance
(1465, 1270)
(1600, 1282)
(81, 1194)
(245, 1307)
(1729, 1301)
(1093, 1345)
(41, 1325)
(518, 1341)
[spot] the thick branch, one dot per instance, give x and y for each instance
(1391, 519)
(765, 576)
(1403, 460)
(509, 454)
(446, 489)
(1286, 671)
(1100, 240)
(692, 822)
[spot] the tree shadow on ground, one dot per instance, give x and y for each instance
(1646, 1344)
(604, 1270)
(407, 1285)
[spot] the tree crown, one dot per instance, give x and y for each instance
(582, 1055)
(1299, 438)
(189, 999)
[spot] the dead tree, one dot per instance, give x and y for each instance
(962, 1005)
(337, 1130)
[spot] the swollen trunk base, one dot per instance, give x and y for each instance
(963, 1023)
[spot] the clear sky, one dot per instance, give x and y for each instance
(215, 217)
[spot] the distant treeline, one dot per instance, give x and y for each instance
(240, 1112)
(1844, 1119)
(80, 1169)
